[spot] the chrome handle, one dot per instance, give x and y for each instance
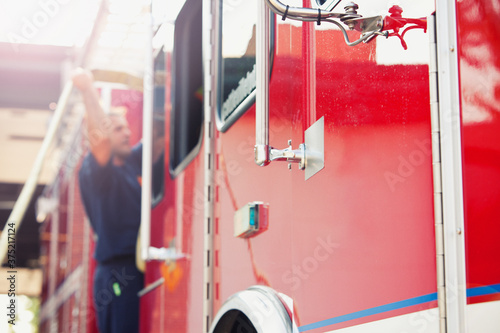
(262, 149)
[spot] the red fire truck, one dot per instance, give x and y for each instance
(384, 216)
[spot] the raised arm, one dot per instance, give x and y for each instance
(97, 121)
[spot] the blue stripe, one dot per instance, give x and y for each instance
(478, 291)
(368, 312)
(482, 291)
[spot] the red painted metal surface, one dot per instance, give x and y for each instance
(177, 221)
(479, 55)
(368, 213)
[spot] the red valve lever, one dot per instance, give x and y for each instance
(396, 21)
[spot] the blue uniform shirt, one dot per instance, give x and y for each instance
(112, 198)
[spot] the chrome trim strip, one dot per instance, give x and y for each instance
(210, 12)
(147, 139)
(262, 98)
(436, 174)
(451, 165)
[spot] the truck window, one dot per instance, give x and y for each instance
(157, 185)
(187, 88)
(237, 72)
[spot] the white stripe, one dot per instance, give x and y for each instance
(426, 321)
(483, 317)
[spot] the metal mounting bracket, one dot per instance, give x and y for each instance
(290, 155)
(314, 141)
(164, 254)
(310, 156)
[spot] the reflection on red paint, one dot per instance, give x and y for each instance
(479, 56)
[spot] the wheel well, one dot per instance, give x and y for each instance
(234, 321)
(258, 309)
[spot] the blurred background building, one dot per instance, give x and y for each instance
(41, 42)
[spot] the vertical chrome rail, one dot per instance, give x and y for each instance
(436, 175)
(147, 140)
(210, 29)
(262, 96)
(451, 165)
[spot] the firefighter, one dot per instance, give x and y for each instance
(111, 193)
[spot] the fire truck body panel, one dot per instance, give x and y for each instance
(368, 213)
(359, 246)
(480, 136)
